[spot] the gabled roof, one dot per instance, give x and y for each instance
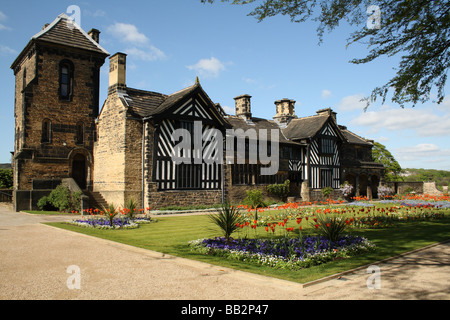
(354, 138)
(145, 104)
(304, 128)
(258, 124)
(64, 31)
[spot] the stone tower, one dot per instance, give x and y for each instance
(57, 78)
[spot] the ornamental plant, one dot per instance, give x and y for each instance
(228, 220)
(332, 228)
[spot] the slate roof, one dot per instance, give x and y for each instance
(64, 32)
(354, 138)
(304, 128)
(257, 124)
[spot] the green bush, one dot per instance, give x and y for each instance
(6, 178)
(279, 190)
(45, 205)
(254, 198)
(61, 199)
(326, 192)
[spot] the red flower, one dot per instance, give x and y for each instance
(317, 226)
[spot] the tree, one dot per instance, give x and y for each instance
(416, 29)
(6, 178)
(392, 168)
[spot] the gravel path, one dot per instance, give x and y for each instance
(35, 259)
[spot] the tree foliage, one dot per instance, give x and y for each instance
(417, 30)
(6, 178)
(392, 168)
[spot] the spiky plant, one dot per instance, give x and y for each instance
(227, 219)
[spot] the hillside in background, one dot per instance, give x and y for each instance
(441, 177)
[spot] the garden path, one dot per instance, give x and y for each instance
(35, 259)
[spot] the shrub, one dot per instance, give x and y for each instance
(61, 199)
(228, 220)
(346, 189)
(326, 192)
(279, 190)
(45, 205)
(385, 192)
(254, 199)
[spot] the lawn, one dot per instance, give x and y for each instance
(171, 234)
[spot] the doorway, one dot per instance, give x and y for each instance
(79, 170)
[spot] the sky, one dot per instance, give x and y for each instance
(171, 42)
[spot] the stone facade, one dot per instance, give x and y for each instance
(54, 135)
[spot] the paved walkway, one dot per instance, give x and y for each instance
(35, 259)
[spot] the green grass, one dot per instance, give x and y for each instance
(170, 235)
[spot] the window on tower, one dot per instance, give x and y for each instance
(66, 80)
(46, 131)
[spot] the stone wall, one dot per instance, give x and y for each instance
(158, 199)
(109, 151)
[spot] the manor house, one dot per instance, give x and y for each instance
(125, 150)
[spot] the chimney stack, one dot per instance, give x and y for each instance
(328, 112)
(243, 106)
(285, 109)
(117, 71)
(95, 35)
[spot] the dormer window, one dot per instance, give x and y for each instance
(66, 80)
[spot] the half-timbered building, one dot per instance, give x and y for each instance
(163, 149)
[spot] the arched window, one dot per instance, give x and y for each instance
(46, 131)
(80, 133)
(66, 80)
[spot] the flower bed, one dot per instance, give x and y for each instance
(284, 253)
(117, 223)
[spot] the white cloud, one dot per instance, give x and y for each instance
(424, 154)
(142, 48)
(208, 67)
(228, 109)
(128, 33)
(149, 54)
(3, 17)
(423, 121)
(7, 50)
(351, 103)
(249, 80)
(326, 94)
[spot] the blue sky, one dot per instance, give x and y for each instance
(170, 42)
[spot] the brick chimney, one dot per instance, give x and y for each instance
(285, 111)
(243, 106)
(95, 35)
(117, 71)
